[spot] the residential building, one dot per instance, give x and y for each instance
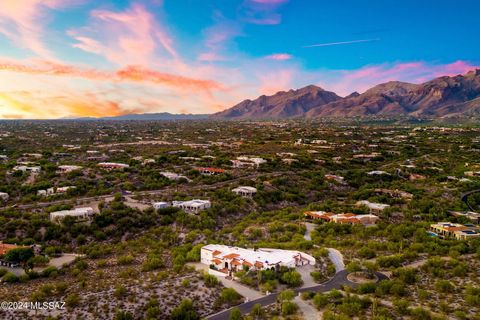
(343, 218)
(455, 230)
(245, 191)
(192, 206)
(209, 171)
(395, 193)
(372, 206)
(113, 165)
(24, 168)
(173, 176)
(159, 205)
(332, 177)
(227, 259)
(248, 162)
(68, 168)
(54, 190)
(4, 196)
(82, 214)
(472, 216)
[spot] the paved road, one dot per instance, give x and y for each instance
(336, 282)
(465, 196)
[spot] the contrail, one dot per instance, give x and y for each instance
(340, 43)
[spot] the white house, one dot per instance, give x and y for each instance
(245, 191)
(227, 259)
(53, 190)
(374, 207)
(173, 176)
(159, 205)
(68, 168)
(113, 165)
(79, 213)
(192, 206)
(27, 168)
(4, 196)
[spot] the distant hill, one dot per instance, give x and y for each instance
(441, 97)
(152, 116)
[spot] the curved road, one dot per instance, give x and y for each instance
(338, 280)
(465, 196)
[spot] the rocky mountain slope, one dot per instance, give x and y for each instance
(441, 97)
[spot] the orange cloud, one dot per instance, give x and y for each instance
(29, 105)
(127, 74)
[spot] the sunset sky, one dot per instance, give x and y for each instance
(75, 58)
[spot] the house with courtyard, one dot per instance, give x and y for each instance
(192, 206)
(342, 218)
(80, 214)
(228, 259)
(245, 191)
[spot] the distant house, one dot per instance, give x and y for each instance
(81, 214)
(192, 206)
(4, 196)
(378, 173)
(333, 177)
(372, 206)
(247, 162)
(4, 249)
(343, 218)
(24, 168)
(415, 177)
(113, 165)
(209, 171)
(245, 191)
(160, 205)
(367, 157)
(173, 176)
(68, 168)
(53, 191)
(455, 230)
(395, 193)
(472, 216)
(227, 260)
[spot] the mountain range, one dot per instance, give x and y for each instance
(152, 116)
(442, 97)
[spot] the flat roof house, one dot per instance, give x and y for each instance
(192, 206)
(68, 168)
(113, 165)
(455, 230)
(79, 213)
(245, 191)
(343, 218)
(4, 196)
(227, 259)
(209, 171)
(159, 205)
(372, 206)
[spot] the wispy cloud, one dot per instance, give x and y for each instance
(23, 22)
(126, 74)
(328, 44)
(132, 36)
(279, 56)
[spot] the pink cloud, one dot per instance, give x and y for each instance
(279, 56)
(132, 36)
(24, 21)
(347, 81)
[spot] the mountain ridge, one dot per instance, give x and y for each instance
(441, 97)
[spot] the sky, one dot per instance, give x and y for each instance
(77, 58)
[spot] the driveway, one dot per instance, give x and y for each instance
(306, 277)
(247, 292)
(308, 311)
(337, 259)
(310, 227)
